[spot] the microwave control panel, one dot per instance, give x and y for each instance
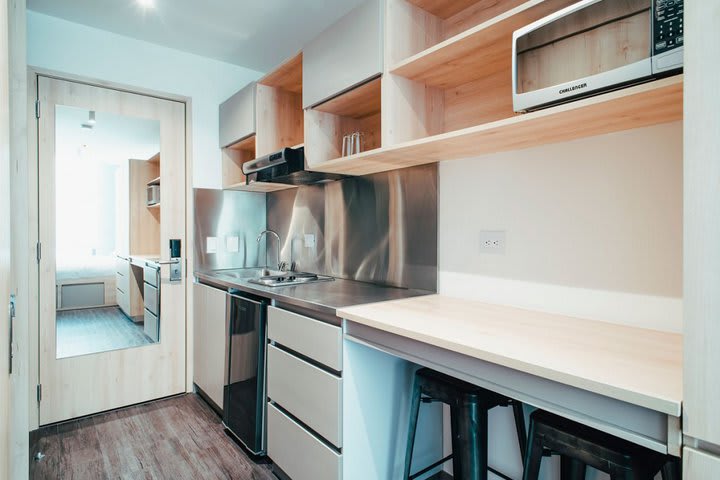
(668, 25)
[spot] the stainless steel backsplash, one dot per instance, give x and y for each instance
(380, 228)
(224, 214)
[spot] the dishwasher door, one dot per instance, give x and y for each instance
(244, 391)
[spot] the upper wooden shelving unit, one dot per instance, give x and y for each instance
(357, 110)
(651, 103)
(477, 51)
(278, 124)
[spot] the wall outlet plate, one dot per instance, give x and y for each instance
(492, 242)
(232, 244)
(309, 240)
(211, 245)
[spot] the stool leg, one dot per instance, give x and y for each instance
(412, 427)
(470, 442)
(671, 469)
(534, 455)
(571, 468)
(520, 427)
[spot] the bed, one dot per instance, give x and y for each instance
(85, 281)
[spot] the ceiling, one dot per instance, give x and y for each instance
(257, 34)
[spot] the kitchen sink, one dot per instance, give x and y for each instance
(281, 279)
(245, 273)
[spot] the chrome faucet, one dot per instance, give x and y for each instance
(280, 264)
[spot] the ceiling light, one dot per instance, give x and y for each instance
(146, 3)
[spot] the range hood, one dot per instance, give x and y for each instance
(286, 166)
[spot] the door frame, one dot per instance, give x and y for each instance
(33, 178)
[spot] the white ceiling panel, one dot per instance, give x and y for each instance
(257, 34)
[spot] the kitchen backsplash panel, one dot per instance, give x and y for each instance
(380, 228)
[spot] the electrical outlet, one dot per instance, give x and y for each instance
(211, 245)
(232, 244)
(309, 240)
(492, 242)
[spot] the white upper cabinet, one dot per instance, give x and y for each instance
(344, 55)
(237, 116)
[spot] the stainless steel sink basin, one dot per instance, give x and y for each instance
(281, 279)
(249, 273)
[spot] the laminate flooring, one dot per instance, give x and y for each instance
(179, 438)
(93, 330)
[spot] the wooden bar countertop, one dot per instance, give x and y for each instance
(639, 366)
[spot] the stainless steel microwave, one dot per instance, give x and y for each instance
(594, 46)
(153, 195)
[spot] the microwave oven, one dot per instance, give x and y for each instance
(153, 195)
(595, 46)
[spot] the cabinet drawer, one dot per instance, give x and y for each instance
(318, 340)
(297, 452)
(122, 282)
(123, 301)
(309, 393)
(237, 116)
(344, 55)
(152, 299)
(122, 266)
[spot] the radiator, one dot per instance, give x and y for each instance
(82, 295)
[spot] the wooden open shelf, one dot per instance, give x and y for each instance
(357, 110)
(448, 74)
(478, 51)
(154, 181)
(287, 76)
(652, 103)
(279, 123)
(261, 187)
(155, 206)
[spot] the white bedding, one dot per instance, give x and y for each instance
(84, 267)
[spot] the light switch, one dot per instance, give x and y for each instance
(309, 240)
(211, 245)
(232, 244)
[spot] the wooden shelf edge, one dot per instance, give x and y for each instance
(652, 103)
(287, 76)
(155, 206)
(259, 187)
(155, 181)
(246, 143)
(416, 66)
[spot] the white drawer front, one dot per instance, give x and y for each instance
(318, 340)
(122, 282)
(122, 266)
(297, 452)
(309, 393)
(123, 301)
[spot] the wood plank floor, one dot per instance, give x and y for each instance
(93, 330)
(179, 438)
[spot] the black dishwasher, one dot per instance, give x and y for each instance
(245, 353)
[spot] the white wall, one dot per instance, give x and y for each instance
(593, 227)
(80, 50)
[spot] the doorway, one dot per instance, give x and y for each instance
(112, 321)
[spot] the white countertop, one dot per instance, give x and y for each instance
(639, 366)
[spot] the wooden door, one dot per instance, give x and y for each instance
(80, 385)
(4, 248)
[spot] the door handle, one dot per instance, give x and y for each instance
(11, 314)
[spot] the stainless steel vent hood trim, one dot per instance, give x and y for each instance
(286, 166)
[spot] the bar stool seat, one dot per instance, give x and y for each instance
(580, 446)
(469, 406)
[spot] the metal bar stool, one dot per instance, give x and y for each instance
(580, 446)
(469, 406)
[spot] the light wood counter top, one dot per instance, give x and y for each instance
(639, 366)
